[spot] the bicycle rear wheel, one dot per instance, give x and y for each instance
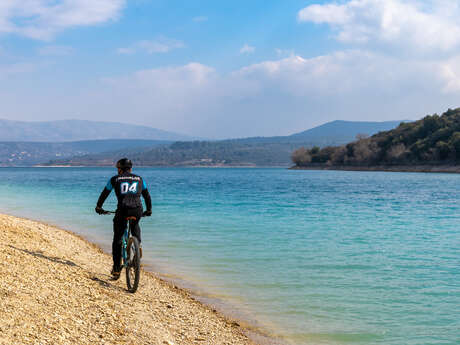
(133, 267)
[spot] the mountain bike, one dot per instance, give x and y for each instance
(131, 255)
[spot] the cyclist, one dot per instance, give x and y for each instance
(128, 189)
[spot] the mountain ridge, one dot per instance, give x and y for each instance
(80, 130)
(255, 151)
(346, 130)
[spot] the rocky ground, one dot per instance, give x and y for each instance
(55, 289)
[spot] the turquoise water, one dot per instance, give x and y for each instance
(316, 257)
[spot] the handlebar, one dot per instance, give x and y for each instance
(109, 212)
(102, 212)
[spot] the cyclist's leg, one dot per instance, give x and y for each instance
(135, 229)
(119, 226)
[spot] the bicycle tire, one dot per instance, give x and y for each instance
(133, 267)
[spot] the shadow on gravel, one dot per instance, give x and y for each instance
(101, 282)
(39, 254)
(106, 284)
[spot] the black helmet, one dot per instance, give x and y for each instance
(124, 164)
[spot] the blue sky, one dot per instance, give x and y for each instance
(221, 69)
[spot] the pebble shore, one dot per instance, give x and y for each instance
(55, 288)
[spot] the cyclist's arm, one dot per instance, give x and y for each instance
(104, 194)
(146, 195)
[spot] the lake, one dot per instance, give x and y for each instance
(314, 257)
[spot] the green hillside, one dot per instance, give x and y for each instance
(433, 140)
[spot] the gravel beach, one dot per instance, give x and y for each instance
(55, 289)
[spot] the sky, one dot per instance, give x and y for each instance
(221, 69)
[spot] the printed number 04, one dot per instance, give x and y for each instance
(127, 187)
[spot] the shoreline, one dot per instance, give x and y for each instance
(448, 169)
(77, 249)
(160, 166)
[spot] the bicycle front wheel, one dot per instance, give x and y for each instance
(133, 267)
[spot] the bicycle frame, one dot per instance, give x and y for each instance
(124, 239)
(124, 244)
(131, 264)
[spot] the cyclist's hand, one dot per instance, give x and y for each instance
(147, 213)
(99, 210)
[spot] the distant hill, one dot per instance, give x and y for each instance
(77, 130)
(331, 133)
(433, 140)
(342, 131)
(193, 153)
(31, 153)
(256, 151)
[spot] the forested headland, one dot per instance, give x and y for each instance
(431, 141)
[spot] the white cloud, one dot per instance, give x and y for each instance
(53, 50)
(372, 80)
(191, 75)
(276, 97)
(11, 70)
(281, 96)
(330, 13)
(169, 93)
(200, 19)
(284, 52)
(161, 45)
(450, 71)
(126, 51)
(431, 25)
(247, 49)
(43, 19)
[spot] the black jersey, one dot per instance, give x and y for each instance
(128, 189)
